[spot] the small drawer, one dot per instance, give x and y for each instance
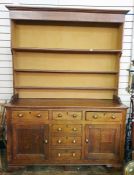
(30, 116)
(64, 115)
(74, 129)
(59, 115)
(69, 129)
(58, 128)
(104, 116)
(40, 115)
(66, 141)
(66, 154)
(75, 115)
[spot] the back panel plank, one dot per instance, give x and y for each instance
(65, 80)
(87, 94)
(66, 36)
(55, 61)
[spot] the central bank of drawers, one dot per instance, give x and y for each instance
(66, 138)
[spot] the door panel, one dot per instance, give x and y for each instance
(102, 141)
(30, 142)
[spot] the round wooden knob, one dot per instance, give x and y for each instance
(59, 129)
(74, 115)
(74, 129)
(20, 115)
(113, 116)
(59, 141)
(59, 115)
(38, 115)
(95, 116)
(73, 154)
(59, 154)
(46, 141)
(86, 140)
(74, 141)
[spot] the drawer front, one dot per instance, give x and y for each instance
(103, 116)
(39, 116)
(64, 115)
(66, 141)
(69, 129)
(75, 115)
(66, 154)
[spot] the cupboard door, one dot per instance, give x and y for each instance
(30, 142)
(102, 141)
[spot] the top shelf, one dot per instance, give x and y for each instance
(63, 50)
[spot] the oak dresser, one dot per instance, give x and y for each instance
(65, 109)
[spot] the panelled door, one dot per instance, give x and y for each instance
(30, 142)
(102, 141)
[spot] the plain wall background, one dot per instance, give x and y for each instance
(6, 86)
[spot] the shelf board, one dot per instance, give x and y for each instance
(63, 50)
(65, 88)
(64, 71)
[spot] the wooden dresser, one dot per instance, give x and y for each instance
(65, 109)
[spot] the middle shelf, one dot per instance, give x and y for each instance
(64, 50)
(65, 71)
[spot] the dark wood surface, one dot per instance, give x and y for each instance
(65, 71)
(66, 131)
(62, 14)
(61, 50)
(88, 103)
(65, 88)
(23, 8)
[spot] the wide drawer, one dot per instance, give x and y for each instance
(65, 154)
(69, 129)
(66, 141)
(66, 115)
(103, 116)
(30, 116)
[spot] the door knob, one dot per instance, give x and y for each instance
(87, 140)
(46, 141)
(73, 154)
(20, 115)
(113, 116)
(59, 129)
(59, 115)
(74, 129)
(59, 141)
(95, 116)
(38, 115)
(74, 141)
(59, 154)
(74, 115)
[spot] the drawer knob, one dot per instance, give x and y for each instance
(113, 117)
(59, 129)
(59, 141)
(46, 141)
(59, 115)
(73, 154)
(86, 140)
(74, 129)
(95, 116)
(74, 115)
(38, 115)
(20, 115)
(59, 154)
(74, 141)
